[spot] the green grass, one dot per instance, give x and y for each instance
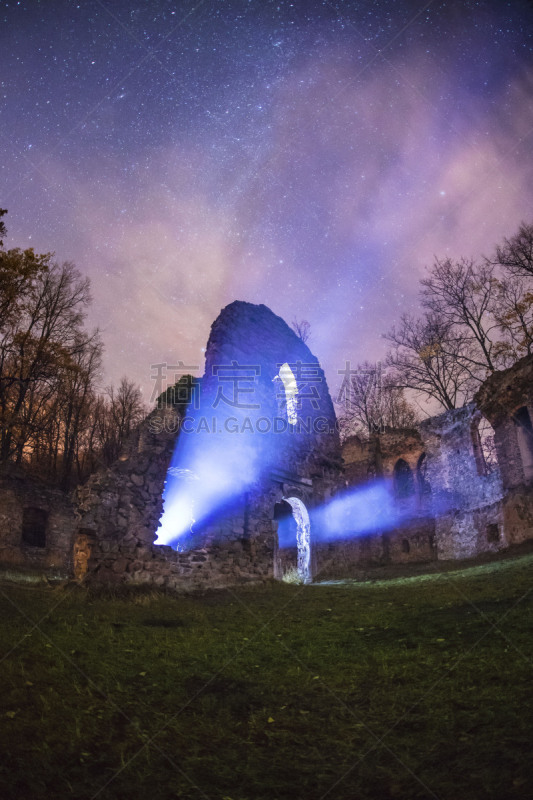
(415, 688)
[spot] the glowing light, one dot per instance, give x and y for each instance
(367, 509)
(180, 514)
(286, 376)
(303, 537)
(219, 468)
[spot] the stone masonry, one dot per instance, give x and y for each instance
(454, 503)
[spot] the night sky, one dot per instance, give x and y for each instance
(312, 156)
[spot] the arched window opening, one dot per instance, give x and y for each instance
(524, 436)
(286, 376)
(424, 487)
(483, 445)
(404, 485)
(406, 547)
(294, 526)
(34, 527)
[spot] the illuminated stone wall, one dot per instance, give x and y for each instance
(121, 506)
(465, 502)
(465, 507)
(455, 508)
(301, 461)
(125, 500)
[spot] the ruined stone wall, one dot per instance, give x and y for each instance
(517, 515)
(359, 461)
(452, 469)
(252, 335)
(412, 541)
(302, 460)
(377, 456)
(404, 443)
(499, 399)
(125, 500)
(455, 510)
(120, 507)
(462, 507)
(227, 560)
(17, 493)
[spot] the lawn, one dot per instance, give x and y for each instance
(415, 688)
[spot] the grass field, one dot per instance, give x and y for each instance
(416, 688)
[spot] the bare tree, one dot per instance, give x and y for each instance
(37, 345)
(462, 294)
(51, 418)
(302, 329)
(20, 271)
(3, 230)
(426, 357)
(125, 409)
(396, 409)
(369, 401)
(513, 311)
(516, 253)
(76, 395)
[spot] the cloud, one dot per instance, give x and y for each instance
(328, 211)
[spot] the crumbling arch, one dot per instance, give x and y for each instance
(287, 377)
(294, 527)
(524, 437)
(303, 537)
(286, 523)
(404, 485)
(483, 445)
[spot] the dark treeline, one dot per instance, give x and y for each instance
(476, 317)
(54, 420)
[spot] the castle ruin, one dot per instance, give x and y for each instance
(264, 479)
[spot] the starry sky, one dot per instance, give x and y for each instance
(312, 156)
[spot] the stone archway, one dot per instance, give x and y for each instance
(404, 485)
(293, 518)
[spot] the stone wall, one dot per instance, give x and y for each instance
(50, 552)
(229, 560)
(377, 456)
(125, 500)
(120, 507)
(456, 509)
(412, 543)
(500, 399)
(301, 461)
(506, 400)
(464, 500)
(469, 507)
(452, 506)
